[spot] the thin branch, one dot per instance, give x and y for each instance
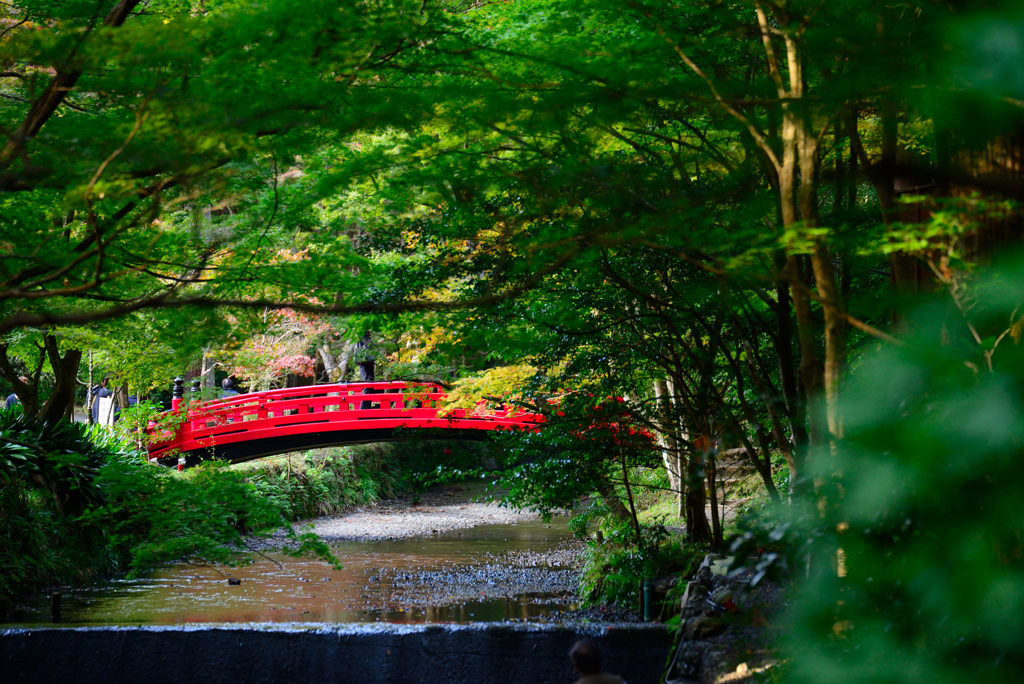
(166, 300)
(63, 83)
(140, 118)
(756, 134)
(8, 30)
(769, 49)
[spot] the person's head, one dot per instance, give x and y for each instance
(227, 383)
(105, 381)
(586, 657)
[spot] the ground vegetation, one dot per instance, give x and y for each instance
(78, 503)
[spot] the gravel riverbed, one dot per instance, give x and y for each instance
(438, 510)
(540, 576)
(547, 577)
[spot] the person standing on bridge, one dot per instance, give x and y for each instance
(228, 388)
(586, 660)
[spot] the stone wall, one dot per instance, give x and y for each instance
(349, 654)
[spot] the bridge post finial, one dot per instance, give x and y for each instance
(177, 393)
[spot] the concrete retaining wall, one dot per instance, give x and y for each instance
(301, 654)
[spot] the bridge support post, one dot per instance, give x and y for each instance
(177, 393)
(366, 405)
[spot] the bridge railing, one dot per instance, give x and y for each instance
(334, 407)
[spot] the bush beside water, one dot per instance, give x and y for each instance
(322, 482)
(77, 502)
(615, 564)
(329, 481)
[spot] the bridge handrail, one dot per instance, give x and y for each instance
(338, 389)
(317, 404)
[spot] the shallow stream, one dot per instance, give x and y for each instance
(480, 574)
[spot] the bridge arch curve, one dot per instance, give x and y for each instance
(259, 424)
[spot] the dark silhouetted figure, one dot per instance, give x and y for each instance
(13, 400)
(228, 388)
(586, 660)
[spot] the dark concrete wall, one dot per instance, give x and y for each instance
(350, 654)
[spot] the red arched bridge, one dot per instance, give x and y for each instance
(248, 426)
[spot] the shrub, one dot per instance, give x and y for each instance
(76, 502)
(615, 566)
(321, 482)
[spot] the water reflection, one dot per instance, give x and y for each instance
(374, 585)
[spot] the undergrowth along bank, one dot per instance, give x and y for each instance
(330, 481)
(615, 565)
(77, 502)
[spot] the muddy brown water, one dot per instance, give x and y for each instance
(377, 583)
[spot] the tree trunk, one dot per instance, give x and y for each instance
(796, 411)
(121, 398)
(851, 186)
(682, 437)
(763, 467)
(791, 198)
(65, 370)
(611, 499)
(798, 208)
(88, 394)
(209, 370)
(807, 149)
(366, 366)
(811, 370)
(835, 336)
(697, 528)
(629, 498)
(343, 361)
(61, 402)
(767, 395)
(716, 522)
(666, 423)
(27, 392)
(839, 186)
(901, 265)
(824, 276)
(330, 365)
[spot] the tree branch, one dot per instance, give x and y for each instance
(63, 83)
